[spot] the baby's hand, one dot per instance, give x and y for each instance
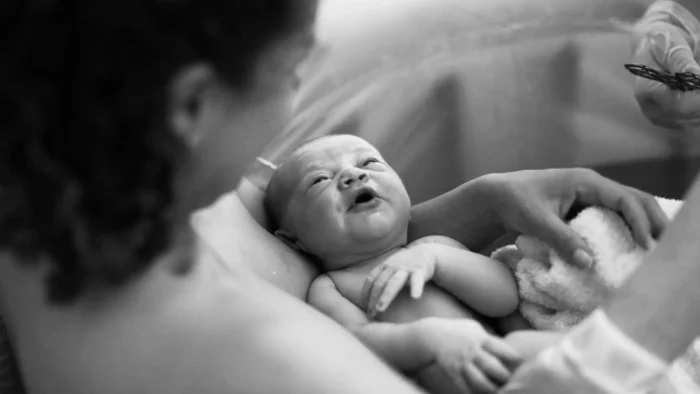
(474, 360)
(386, 281)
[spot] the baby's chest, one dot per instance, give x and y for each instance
(435, 301)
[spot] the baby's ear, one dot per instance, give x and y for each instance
(290, 240)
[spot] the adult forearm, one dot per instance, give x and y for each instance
(464, 213)
(400, 345)
(666, 285)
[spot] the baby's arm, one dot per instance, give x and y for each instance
(484, 284)
(459, 351)
(400, 345)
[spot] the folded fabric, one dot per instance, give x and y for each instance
(556, 295)
(596, 357)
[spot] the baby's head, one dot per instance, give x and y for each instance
(335, 198)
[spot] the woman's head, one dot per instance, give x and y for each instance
(119, 115)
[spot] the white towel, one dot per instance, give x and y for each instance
(556, 295)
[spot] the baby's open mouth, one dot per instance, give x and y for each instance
(364, 196)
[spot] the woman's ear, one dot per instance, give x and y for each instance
(188, 95)
(290, 240)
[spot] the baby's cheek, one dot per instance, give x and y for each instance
(400, 201)
(397, 189)
(318, 218)
(320, 233)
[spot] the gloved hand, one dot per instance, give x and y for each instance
(667, 38)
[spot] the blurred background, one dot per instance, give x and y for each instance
(450, 90)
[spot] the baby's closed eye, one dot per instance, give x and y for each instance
(371, 162)
(319, 179)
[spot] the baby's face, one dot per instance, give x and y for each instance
(345, 201)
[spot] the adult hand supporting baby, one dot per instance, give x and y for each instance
(535, 202)
(667, 38)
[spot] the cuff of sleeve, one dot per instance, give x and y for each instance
(606, 354)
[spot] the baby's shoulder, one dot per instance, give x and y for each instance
(438, 239)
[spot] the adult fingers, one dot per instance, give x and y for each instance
(659, 104)
(658, 219)
(667, 51)
(636, 217)
(506, 353)
(477, 380)
(595, 189)
(551, 229)
(492, 368)
(392, 289)
(671, 50)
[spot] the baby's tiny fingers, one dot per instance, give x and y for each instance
(417, 283)
(477, 381)
(369, 285)
(375, 273)
(378, 289)
(392, 289)
(492, 367)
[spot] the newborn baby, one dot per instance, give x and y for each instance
(336, 199)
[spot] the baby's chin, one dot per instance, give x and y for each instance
(376, 226)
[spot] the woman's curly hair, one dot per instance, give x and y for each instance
(87, 161)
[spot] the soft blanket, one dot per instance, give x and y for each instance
(556, 295)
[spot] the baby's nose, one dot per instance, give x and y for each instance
(352, 176)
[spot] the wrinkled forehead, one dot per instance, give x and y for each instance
(329, 151)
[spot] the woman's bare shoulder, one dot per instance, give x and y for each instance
(155, 335)
(203, 333)
(229, 229)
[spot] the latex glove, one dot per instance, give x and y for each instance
(667, 38)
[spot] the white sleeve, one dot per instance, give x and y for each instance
(594, 358)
